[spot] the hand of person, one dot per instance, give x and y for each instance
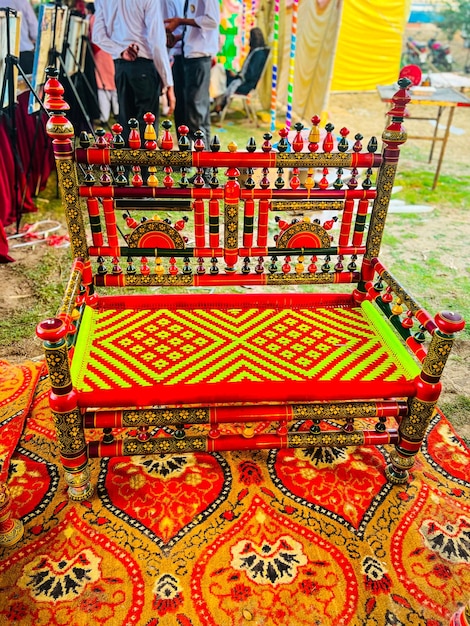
(131, 52)
(170, 96)
(170, 40)
(172, 24)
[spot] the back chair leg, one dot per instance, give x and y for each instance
(250, 111)
(223, 113)
(246, 106)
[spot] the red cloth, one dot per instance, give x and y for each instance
(104, 64)
(34, 145)
(4, 256)
(35, 162)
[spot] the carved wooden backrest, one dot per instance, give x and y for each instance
(309, 210)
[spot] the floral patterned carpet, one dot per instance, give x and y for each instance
(284, 538)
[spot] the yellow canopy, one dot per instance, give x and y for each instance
(369, 44)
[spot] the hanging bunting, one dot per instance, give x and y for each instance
(275, 56)
(293, 44)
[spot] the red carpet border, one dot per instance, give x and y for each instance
(288, 538)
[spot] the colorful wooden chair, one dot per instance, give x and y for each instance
(221, 317)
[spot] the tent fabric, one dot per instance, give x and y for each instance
(317, 31)
(318, 25)
(342, 45)
(369, 44)
(24, 167)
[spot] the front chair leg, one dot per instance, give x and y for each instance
(73, 453)
(414, 426)
(65, 411)
(11, 530)
(411, 432)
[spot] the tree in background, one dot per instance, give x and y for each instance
(454, 17)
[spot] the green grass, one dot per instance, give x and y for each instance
(417, 188)
(46, 282)
(439, 276)
(236, 129)
(459, 411)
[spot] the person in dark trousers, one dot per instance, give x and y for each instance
(200, 43)
(133, 33)
(174, 8)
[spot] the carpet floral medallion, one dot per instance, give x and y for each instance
(287, 538)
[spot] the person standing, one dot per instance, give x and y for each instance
(133, 33)
(174, 8)
(28, 33)
(104, 73)
(200, 43)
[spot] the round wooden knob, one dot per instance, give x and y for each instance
(449, 322)
(51, 329)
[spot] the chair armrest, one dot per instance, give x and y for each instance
(56, 328)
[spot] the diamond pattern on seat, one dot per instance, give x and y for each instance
(129, 348)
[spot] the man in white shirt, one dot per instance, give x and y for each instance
(174, 8)
(133, 33)
(200, 43)
(28, 33)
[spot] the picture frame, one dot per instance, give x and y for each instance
(10, 28)
(50, 42)
(75, 44)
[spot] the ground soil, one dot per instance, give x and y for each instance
(15, 293)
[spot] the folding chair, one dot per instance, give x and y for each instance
(248, 99)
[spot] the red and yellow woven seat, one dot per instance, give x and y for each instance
(216, 349)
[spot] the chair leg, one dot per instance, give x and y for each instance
(11, 530)
(66, 414)
(225, 109)
(250, 110)
(414, 426)
(246, 106)
(73, 453)
(402, 458)
(254, 117)
(462, 616)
